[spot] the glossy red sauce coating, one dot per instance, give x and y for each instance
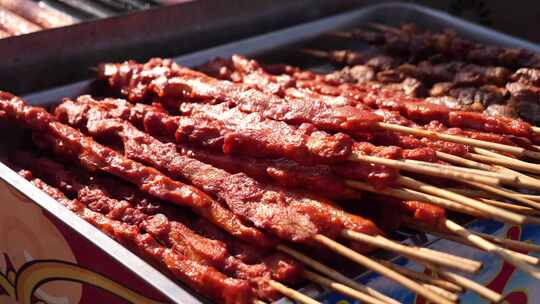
(253, 135)
(319, 179)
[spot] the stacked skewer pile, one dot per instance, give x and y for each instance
(226, 176)
(444, 69)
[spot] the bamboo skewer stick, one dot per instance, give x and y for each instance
(492, 248)
(291, 293)
(529, 166)
(379, 268)
(331, 273)
(512, 207)
(443, 292)
(489, 153)
(536, 130)
(509, 163)
(522, 176)
(524, 181)
(462, 161)
(487, 209)
(505, 178)
(427, 170)
(506, 194)
(474, 193)
(482, 166)
(413, 195)
(316, 53)
(519, 245)
(420, 227)
(385, 28)
(468, 284)
(423, 277)
(341, 288)
(461, 140)
(407, 194)
(473, 164)
(427, 281)
(256, 301)
(446, 260)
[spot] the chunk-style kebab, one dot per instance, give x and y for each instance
(388, 69)
(71, 144)
(458, 85)
(408, 41)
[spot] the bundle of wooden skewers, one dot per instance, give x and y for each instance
(226, 176)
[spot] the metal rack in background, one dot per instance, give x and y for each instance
(91, 9)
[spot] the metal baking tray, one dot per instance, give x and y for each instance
(271, 46)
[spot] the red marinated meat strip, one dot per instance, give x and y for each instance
(243, 67)
(292, 216)
(389, 102)
(319, 179)
(72, 144)
(414, 108)
(105, 109)
(172, 84)
(204, 279)
(160, 124)
(175, 234)
(145, 80)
